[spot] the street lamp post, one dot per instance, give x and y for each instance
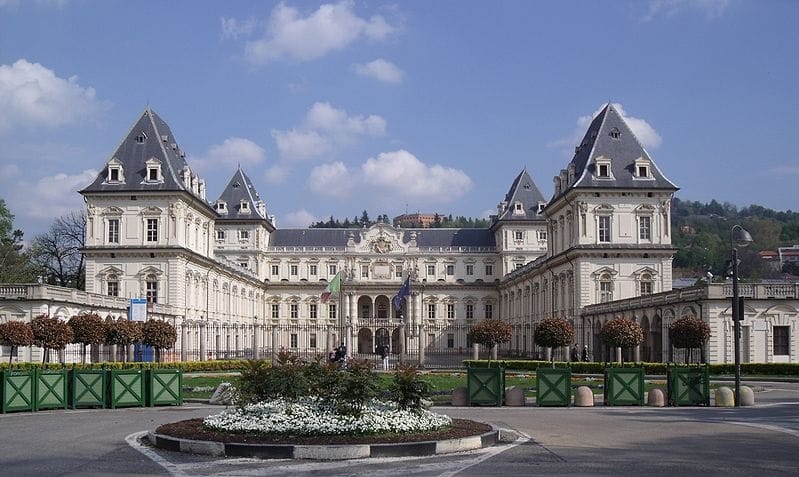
(739, 237)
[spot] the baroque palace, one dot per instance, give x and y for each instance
(236, 285)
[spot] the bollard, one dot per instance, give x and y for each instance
(724, 397)
(583, 397)
(747, 396)
(459, 396)
(514, 396)
(656, 398)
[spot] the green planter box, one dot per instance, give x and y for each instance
(553, 386)
(624, 386)
(87, 388)
(164, 387)
(125, 387)
(50, 389)
(689, 386)
(485, 386)
(17, 390)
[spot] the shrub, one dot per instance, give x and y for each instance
(87, 329)
(689, 332)
(160, 335)
(490, 333)
(408, 389)
(622, 333)
(15, 334)
(50, 333)
(123, 332)
(354, 386)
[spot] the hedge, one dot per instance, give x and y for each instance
(186, 366)
(579, 367)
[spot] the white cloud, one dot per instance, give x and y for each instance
(324, 130)
(381, 70)
(401, 173)
(330, 28)
(232, 152)
(232, 28)
(668, 8)
(9, 171)
(276, 174)
(55, 195)
(32, 95)
(298, 219)
(644, 132)
(331, 180)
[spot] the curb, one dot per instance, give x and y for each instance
(323, 452)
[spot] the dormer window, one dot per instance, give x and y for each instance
(244, 207)
(115, 174)
(642, 169)
(153, 168)
(615, 133)
(518, 208)
(140, 138)
(602, 168)
(221, 207)
(541, 206)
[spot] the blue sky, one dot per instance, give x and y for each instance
(333, 108)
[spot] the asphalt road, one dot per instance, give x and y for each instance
(763, 439)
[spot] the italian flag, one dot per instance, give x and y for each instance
(333, 287)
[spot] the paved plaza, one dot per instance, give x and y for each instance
(763, 439)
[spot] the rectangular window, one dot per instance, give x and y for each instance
(431, 270)
(542, 235)
(312, 311)
(469, 311)
(312, 340)
(113, 230)
(398, 271)
(643, 171)
(275, 269)
(489, 270)
(450, 340)
(244, 234)
(489, 309)
(782, 343)
(152, 292)
(431, 340)
(293, 342)
(518, 236)
(604, 170)
(152, 230)
(331, 311)
(312, 270)
(469, 270)
(244, 264)
(450, 270)
(114, 175)
(431, 311)
(450, 311)
(646, 288)
(294, 270)
(220, 235)
(332, 270)
(152, 174)
(294, 311)
(275, 311)
(603, 234)
(645, 228)
(113, 288)
(364, 271)
(605, 292)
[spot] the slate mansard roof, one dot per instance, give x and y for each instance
(610, 137)
(525, 191)
(149, 138)
(425, 238)
(240, 190)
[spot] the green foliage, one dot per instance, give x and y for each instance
(15, 333)
(689, 332)
(622, 333)
(88, 329)
(15, 265)
(355, 385)
(490, 333)
(554, 332)
(124, 332)
(50, 333)
(159, 334)
(408, 388)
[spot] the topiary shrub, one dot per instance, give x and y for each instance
(490, 333)
(160, 335)
(689, 333)
(554, 332)
(87, 329)
(15, 334)
(50, 333)
(622, 333)
(123, 332)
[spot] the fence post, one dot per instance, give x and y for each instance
(274, 344)
(184, 336)
(402, 342)
(421, 346)
(475, 351)
(203, 333)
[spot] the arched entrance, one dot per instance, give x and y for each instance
(364, 308)
(365, 340)
(382, 307)
(382, 338)
(395, 341)
(656, 338)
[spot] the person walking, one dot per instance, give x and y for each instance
(384, 356)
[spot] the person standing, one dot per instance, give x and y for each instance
(384, 356)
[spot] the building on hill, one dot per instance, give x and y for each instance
(237, 285)
(417, 220)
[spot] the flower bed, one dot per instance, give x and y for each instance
(310, 416)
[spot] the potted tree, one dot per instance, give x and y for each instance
(51, 386)
(623, 386)
(16, 387)
(164, 386)
(487, 385)
(553, 385)
(50, 334)
(87, 329)
(15, 334)
(160, 335)
(125, 386)
(689, 385)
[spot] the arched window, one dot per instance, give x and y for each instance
(605, 288)
(646, 284)
(112, 286)
(151, 287)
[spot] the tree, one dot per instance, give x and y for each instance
(15, 334)
(50, 334)
(554, 332)
(689, 333)
(123, 332)
(58, 253)
(490, 333)
(622, 333)
(160, 335)
(15, 266)
(88, 329)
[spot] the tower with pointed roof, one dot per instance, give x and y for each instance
(520, 229)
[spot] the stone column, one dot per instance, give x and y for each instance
(475, 351)
(256, 341)
(184, 340)
(402, 342)
(203, 335)
(422, 344)
(637, 354)
(274, 344)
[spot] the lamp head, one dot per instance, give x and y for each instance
(740, 237)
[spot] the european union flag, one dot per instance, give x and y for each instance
(403, 292)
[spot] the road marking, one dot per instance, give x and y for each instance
(133, 441)
(491, 453)
(785, 430)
